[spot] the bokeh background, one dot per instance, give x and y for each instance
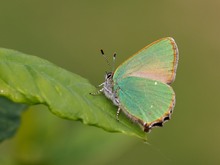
(70, 33)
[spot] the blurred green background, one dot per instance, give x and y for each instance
(70, 33)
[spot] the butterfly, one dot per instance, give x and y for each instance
(140, 86)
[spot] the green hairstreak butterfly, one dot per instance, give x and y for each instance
(140, 85)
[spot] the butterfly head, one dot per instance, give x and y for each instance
(109, 79)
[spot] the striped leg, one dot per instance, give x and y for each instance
(118, 112)
(97, 92)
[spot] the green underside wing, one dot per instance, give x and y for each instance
(141, 83)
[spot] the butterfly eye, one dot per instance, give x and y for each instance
(109, 75)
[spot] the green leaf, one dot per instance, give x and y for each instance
(31, 80)
(10, 113)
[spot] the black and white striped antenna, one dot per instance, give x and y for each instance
(106, 59)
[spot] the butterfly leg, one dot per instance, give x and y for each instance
(118, 112)
(97, 92)
(102, 84)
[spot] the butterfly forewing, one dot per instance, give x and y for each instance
(157, 61)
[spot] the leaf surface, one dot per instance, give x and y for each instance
(28, 79)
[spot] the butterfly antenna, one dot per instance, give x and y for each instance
(113, 64)
(106, 59)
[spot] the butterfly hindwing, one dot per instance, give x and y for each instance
(144, 100)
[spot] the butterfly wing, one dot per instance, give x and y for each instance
(157, 61)
(146, 101)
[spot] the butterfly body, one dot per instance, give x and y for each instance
(108, 89)
(140, 85)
